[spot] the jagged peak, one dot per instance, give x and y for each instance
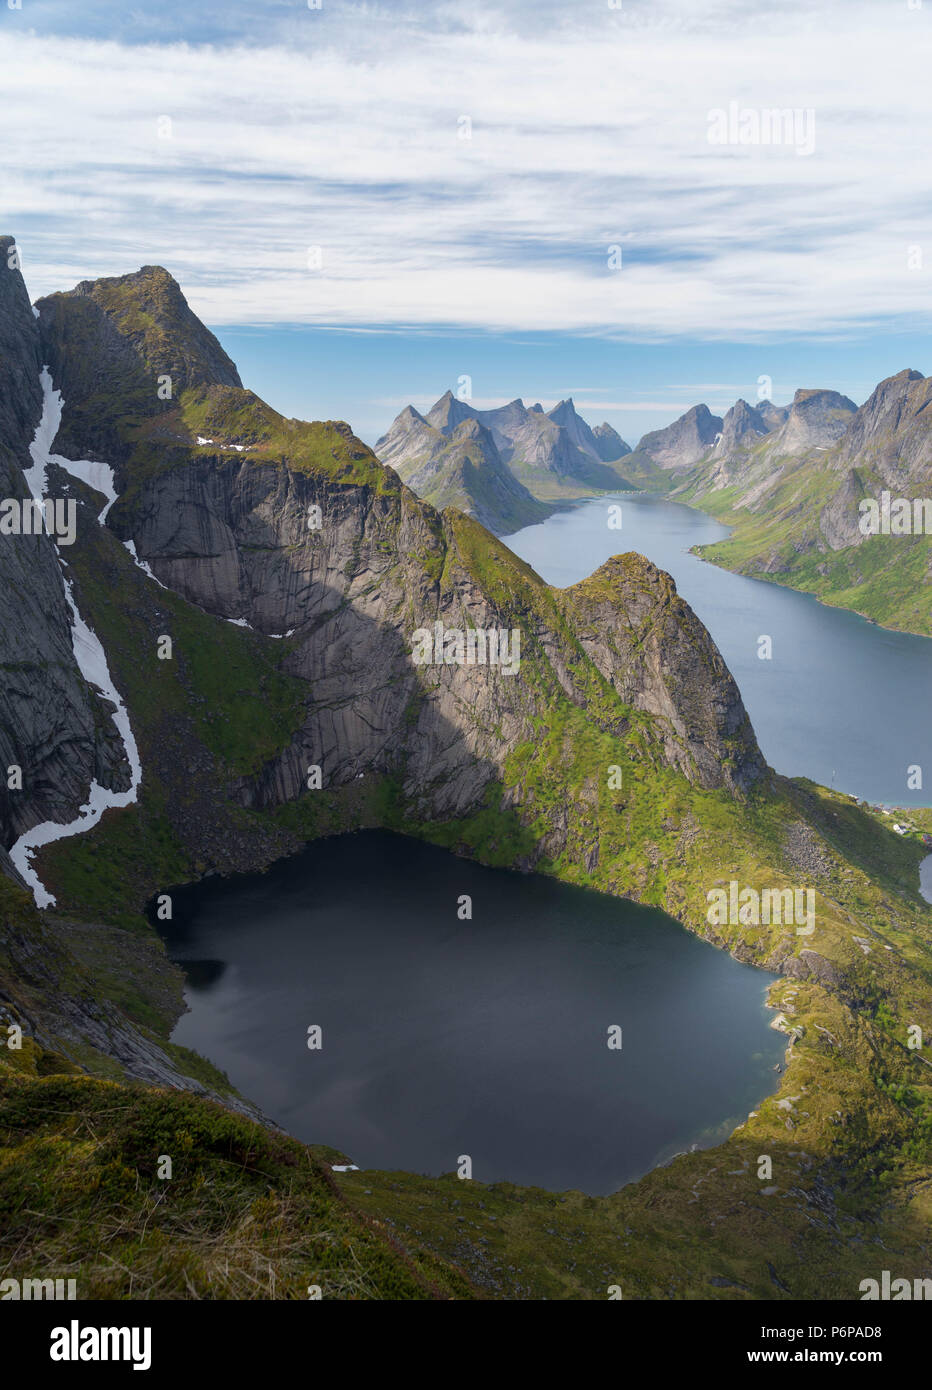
(408, 415)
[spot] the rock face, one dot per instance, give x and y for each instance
(816, 420)
(606, 445)
(887, 445)
(53, 725)
(892, 431)
(231, 537)
(684, 442)
(547, 453)
(772, 415)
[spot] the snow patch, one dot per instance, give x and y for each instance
(142, 564)
(99, 476)
(46, 430)
(92, 663)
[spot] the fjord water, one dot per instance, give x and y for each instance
(842, 701)
(487, 1037)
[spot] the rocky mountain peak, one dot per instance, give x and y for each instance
(816, 420)
(892, 427)
(563, 412)
(609, 443)
(448, 412)
(686, 441)
(741, 426)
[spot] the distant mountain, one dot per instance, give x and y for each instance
(892, 431)
(501, 465)
(815, 420)
(741, 425)
(609, 443)
(462, 468)
(749, 447)
(790, 480)
(684, 442)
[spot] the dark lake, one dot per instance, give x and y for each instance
(842, 700)
(487, 1037)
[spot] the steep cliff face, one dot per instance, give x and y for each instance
(609, 443)
(742, 426)
(892, 432)
(816, 420)
(54, 727)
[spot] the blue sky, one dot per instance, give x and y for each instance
(369, 201)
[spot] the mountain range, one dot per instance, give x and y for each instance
(794, 481)
(236, 614)
(502, 466)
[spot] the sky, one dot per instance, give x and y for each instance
(373, 203)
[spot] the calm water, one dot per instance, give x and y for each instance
(486, 1037)
(842, 701)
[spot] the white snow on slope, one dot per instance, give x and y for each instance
(89, 655)
(46, 430)
(141, 564)
(99, 476)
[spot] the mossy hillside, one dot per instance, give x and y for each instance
(705, 1226)
(247, 1213)
(148, 310)
(543, 613)
(884, 578)
(230, 417)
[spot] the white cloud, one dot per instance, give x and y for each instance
(585, 133)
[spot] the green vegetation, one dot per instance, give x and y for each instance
(884, 578)
(246, 1213)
